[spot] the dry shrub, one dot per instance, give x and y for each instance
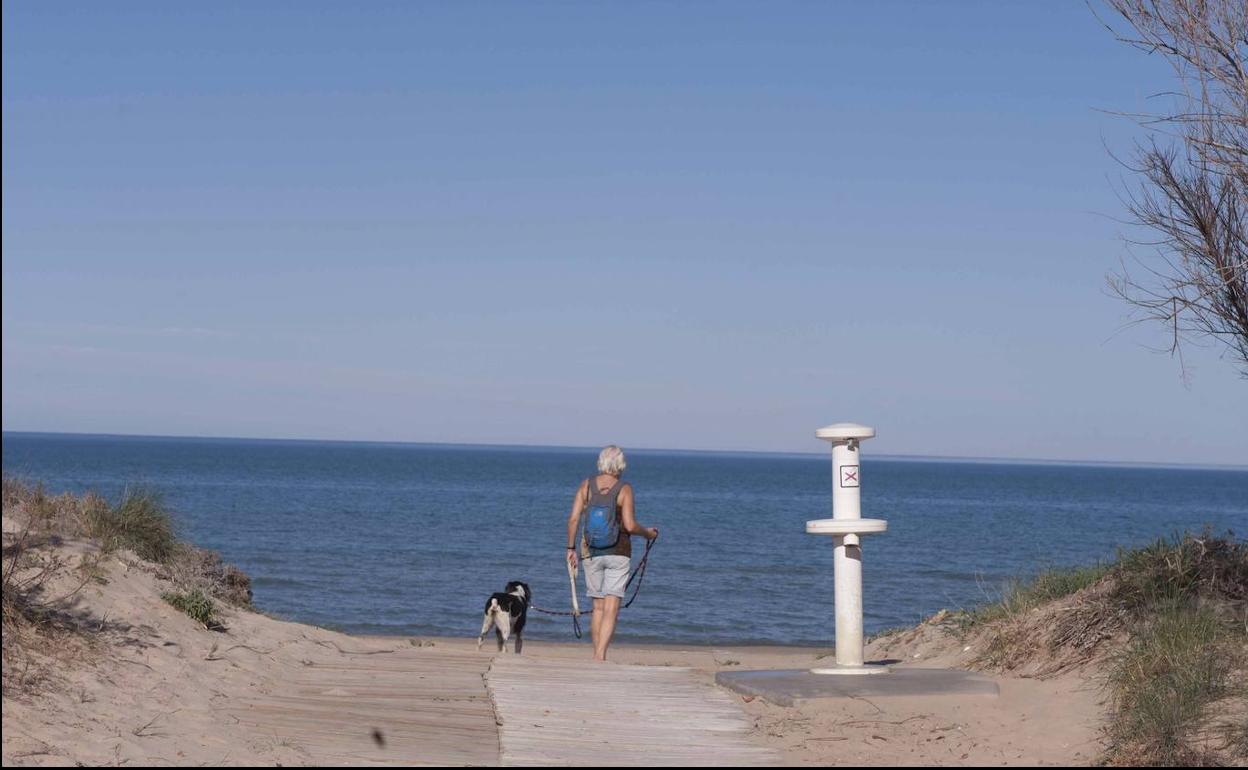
(1087, 625)
(37, 632)
(1188, 567)
(1051, 623)
(198, 569)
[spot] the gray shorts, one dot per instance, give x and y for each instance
(605, 575)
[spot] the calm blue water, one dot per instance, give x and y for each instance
(410, 539)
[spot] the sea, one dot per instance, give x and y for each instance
(410, 539)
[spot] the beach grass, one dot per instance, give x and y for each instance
(1179, 663)
(1170, 622)
(1188, 600)
(139, 521)
(1020, 596)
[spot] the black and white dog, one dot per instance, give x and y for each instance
(505, 612)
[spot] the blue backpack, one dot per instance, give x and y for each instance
(602, 525)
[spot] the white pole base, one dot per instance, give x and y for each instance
(863, 670)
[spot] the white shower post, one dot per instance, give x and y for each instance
(845, 527)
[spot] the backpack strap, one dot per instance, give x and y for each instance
(593, 483)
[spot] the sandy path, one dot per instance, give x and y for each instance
(1031, 723)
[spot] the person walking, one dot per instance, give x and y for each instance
(603, 512)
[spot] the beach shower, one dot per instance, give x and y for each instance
(846, 528)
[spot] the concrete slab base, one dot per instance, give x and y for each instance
(867, 669)
(786, 687)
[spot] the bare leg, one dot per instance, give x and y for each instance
(595, 622)
(502, 625)
(610, 611)
(485, 627)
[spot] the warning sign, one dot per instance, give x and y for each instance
(849, 475)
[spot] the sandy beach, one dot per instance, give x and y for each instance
(152, 686)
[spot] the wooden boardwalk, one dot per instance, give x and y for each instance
(427, 709)
(566, 712)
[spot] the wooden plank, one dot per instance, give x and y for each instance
(586, 713)
(429, 707)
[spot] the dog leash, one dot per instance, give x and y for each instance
(639, 572)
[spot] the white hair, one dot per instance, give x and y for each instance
(611, 461)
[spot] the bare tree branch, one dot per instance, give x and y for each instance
(1192, 171)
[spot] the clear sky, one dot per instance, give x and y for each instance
(695, 225)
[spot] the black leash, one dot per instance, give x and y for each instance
(639, 572)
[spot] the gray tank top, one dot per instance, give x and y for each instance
(610, 500)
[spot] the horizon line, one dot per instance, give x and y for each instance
(793, 453)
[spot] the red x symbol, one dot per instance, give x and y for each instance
(851, 475)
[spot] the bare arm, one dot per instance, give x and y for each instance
(578, 506)
(628, 516)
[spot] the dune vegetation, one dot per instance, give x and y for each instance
(1165, 628)
(40, 582)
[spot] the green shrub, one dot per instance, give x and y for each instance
(194, 603)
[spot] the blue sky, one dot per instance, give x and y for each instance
(693, 225)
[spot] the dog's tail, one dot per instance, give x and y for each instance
(493, 608)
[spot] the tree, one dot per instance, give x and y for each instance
(1191, 202)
